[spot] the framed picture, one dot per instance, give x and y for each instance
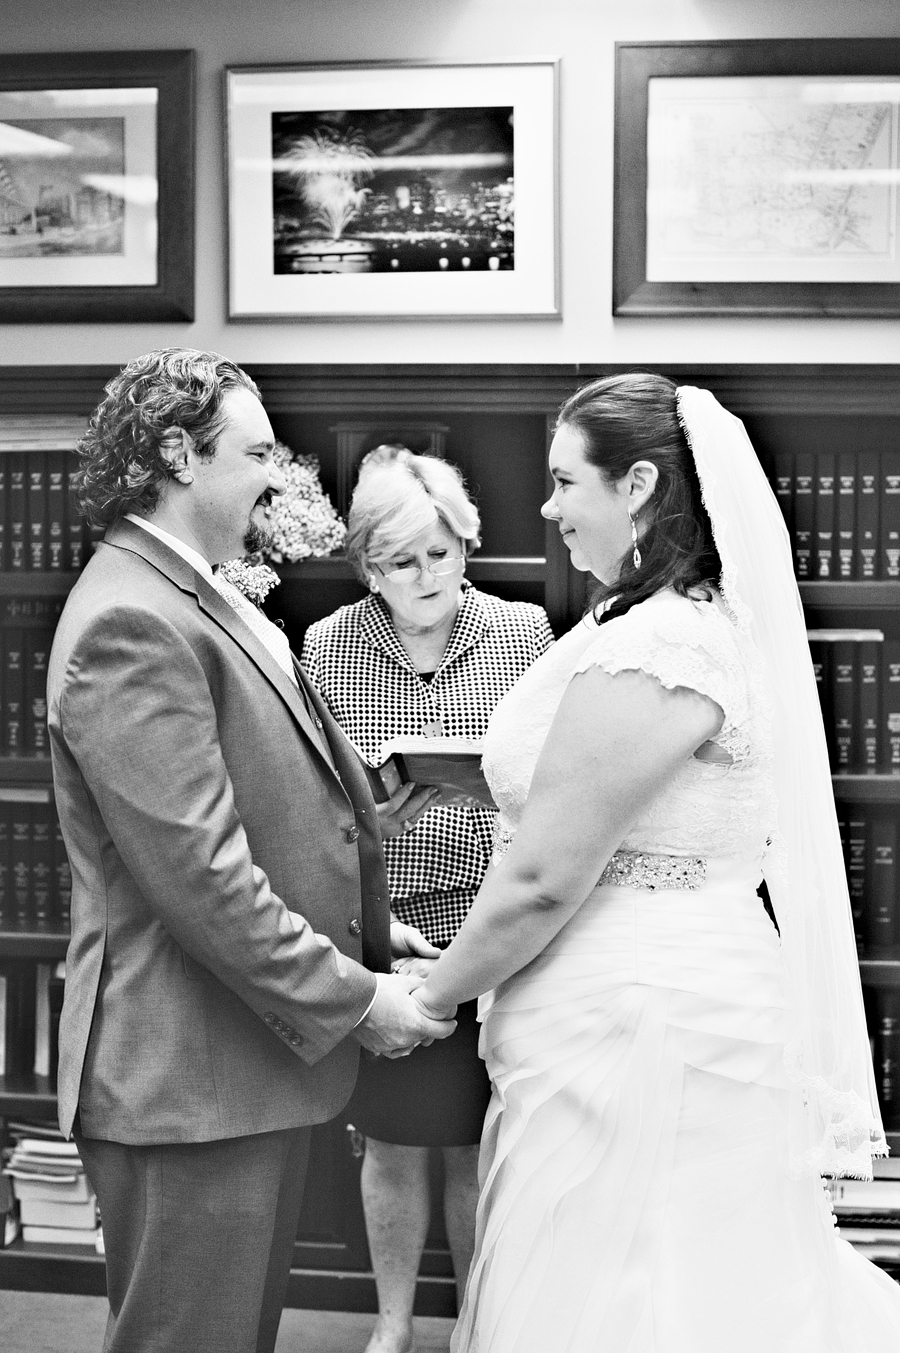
(757, 178)
(379, 190)
(96, 187)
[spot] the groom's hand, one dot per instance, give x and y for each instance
(395, 1024)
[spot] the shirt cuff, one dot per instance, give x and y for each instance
(367, 1009)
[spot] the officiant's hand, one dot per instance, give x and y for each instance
(395, 1025)
(402, 810)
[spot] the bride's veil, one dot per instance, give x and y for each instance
(836, 1126)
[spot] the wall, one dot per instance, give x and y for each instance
(582, 33)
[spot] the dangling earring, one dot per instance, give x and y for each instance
(634, 540)
(373, 586)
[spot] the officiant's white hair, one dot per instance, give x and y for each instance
(399, 495)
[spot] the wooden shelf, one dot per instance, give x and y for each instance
(880, 972)
(32, 944)
(480, 569)
(26, 770)
(25, 584)
(866, 788)
(75, 1269)
(855, 596)
(27, 1096)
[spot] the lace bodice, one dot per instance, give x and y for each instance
(709, 808)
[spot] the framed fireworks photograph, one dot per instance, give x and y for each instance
(376, 190)
(96, 187)
(757, 178)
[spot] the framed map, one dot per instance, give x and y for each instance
(758, 178)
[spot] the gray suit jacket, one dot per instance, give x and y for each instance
(200, 805)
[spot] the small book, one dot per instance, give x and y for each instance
(845, 514)
(804, 513)
(452, 764)
(867, 514)
(80, 1216)
(890, 514)
(58, 1235)
(823, 551)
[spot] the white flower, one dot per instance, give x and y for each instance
(302, 520)
(254, 581)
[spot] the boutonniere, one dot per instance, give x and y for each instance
(254, 581)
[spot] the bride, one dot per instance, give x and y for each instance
(672, 1071)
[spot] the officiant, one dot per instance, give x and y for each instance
(424, 652)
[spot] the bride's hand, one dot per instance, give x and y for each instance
(421, 998)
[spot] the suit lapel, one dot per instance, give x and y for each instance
(125, 535)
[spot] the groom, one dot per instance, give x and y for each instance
(229, 947)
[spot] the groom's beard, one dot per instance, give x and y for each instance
(257, 538)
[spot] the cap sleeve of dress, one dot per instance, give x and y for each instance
(679, 642)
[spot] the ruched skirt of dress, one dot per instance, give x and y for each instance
(635, 1195)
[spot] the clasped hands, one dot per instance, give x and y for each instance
(399, 1019)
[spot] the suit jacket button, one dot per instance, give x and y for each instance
(269, 1018)
(355, 927)
(352, 834)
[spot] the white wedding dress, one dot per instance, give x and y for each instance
(635, 1195)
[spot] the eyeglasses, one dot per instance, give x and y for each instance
(412, 571)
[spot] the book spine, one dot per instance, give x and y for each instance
(818, 651)
(20, 866)
(5, 878)
(881, 911)
(867, 514)
(18, 559)
(14, 692)
(887, 1055)
(869, 706)
(75, 532)
(804, 513)
(56, 511)
(37, 511)
(4, 507)
(4, 1007)
(784, 487)
(823, 562)
(845, 514)
(857, 851)
(37, 654)
(19, 1021)
(890, 715)
(63, 880)
(42, 872)
(890, 514)
(843, 696)
(42, 1019)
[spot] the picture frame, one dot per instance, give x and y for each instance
(97, 187)
(386, 190)
(757, 178)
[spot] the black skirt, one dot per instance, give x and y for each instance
(437, 1096)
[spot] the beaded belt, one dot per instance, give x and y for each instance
(634, 869)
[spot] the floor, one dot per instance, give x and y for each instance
(39, 1322)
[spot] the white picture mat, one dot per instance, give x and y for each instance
(773, 179)
(137, 265)
(528, 289)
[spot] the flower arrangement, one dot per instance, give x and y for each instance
(254, 581)
(302, 520)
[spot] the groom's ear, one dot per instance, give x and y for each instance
(175, 446)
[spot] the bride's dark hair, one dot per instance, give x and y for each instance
(633, 417)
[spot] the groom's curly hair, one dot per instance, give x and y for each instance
(122, 465)
(623, 419)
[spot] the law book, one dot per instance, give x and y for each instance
(56, 511)
(43, 973)
(18, 498)
(62, 874)
(4, 501)
(77, 1190)
(804, 513)
(856, 858)
(36, 658)
(890, 707)
(890, 514)
(869, 707)
(452, 764)
(57, 1235)
(75, 531)
(844, 655)
(5, 879)
(867, 514)
(37, 511)
(845, 514)
(50, 1212)
(42, 872)
(14, 692)
(887, 1055)
(20, 866)
(881, 923)
(819, 651)
(823, 560)
(783, 475)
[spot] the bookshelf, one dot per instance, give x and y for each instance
(493, 421)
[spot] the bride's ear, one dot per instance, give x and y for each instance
(640, 484)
